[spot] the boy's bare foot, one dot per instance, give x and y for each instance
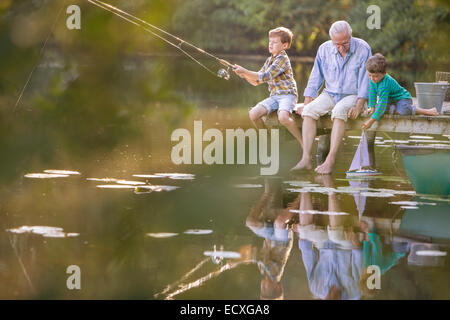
(325, 168)
(427, 112)
(433, 112)
(302, 165)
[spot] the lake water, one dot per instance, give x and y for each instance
(140, 227)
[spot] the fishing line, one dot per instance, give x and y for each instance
(40, 55)
(222, 73)
(394, 154)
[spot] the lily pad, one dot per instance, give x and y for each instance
(198, 231)
(147, 176)
(223, 254)
(115, 186)
(177, 176)
(45, 175)
(326, 213)
(132, 183)
(377, 194)
(248, 186)
(68, 172)
(431, 253)
(296, 183)
(162, 235)
(102, 179)
(45, 231)
(421, 137)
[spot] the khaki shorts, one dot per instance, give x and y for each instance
(319, 236)
(324, 103)
(336, 234)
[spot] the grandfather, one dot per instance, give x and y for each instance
(341, 63)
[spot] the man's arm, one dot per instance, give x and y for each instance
(315, 80)
(355, 111)
(299, 110)
(363, 88)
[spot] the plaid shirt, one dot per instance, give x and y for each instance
(277, 72)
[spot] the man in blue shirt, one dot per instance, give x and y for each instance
(341, 63)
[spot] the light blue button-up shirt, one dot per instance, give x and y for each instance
(332, 266)
(342, 76)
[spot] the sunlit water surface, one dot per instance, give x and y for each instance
(139, 226)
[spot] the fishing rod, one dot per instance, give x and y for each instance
(222, 73)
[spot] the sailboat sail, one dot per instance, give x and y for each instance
(360, 200)
(361, 158)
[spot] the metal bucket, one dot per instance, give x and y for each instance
(430, 94)
(441, 77)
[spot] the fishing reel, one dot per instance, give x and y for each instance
(225, 74)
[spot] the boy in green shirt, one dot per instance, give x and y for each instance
(389, 92)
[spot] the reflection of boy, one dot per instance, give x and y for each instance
(373, 251)
(267, 219)
(277, 72)
(388, 92)
(373, 254)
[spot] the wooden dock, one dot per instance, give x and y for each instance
(389, 123)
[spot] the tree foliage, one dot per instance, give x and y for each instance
(243, 25)
(411, 32)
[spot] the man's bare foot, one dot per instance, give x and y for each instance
(326, 180)
(325, 168)
(302, 165)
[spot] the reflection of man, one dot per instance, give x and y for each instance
(332, 255)
(269, 220)
(341, 63)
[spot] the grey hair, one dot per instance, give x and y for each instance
(339, 27)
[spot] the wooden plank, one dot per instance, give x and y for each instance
(389, 123)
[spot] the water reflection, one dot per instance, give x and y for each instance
(338, 245)
(269, 220)
(339, 249)
(222, 233)
(331, 249)
(279, 238)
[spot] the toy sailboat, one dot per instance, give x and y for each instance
(361, 161)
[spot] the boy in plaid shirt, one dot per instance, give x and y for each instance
(277, 72)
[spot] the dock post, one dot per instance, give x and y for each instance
(323, 147)
(370, 135)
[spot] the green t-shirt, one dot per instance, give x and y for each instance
(373, 254)
(387, 90)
